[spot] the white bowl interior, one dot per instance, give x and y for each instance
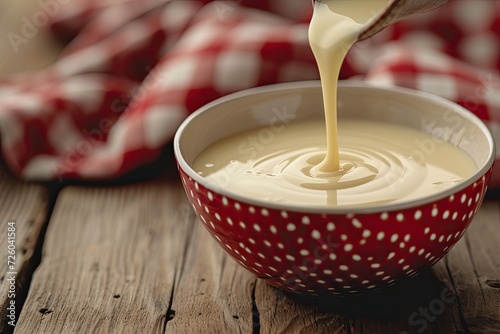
(294, 102)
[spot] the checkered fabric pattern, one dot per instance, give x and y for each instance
(132, 70)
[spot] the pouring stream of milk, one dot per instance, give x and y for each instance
(334, 28)
(378, 162)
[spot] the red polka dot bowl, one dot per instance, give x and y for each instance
(335, 250)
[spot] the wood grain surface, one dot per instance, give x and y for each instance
(26, 205)
(110, 261)
(473, 270)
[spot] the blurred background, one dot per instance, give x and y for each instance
(155, 61)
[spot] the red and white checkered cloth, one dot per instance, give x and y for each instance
(134, 69)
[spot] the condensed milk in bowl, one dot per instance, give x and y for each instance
(323, 188)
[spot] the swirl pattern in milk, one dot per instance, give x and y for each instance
(380, 163)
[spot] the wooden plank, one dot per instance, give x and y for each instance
(143, 244)
(381, 312)
(26, 205)
(214, 294)
(110, 260)
(280, 313)
(419, 305)
(473, 269)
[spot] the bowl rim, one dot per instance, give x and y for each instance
(482, 170)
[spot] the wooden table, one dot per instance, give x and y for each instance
(133, 258)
